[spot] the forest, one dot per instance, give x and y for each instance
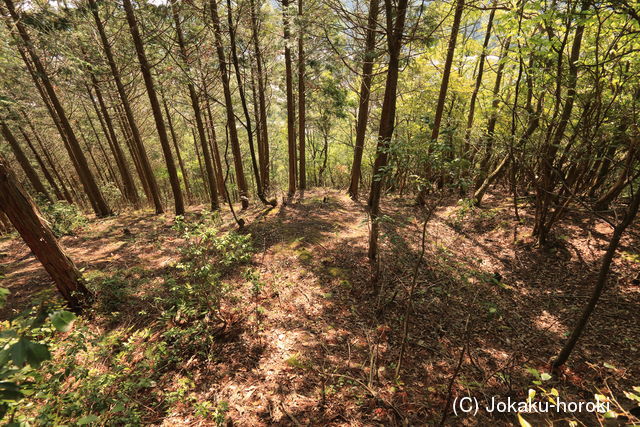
(319, 212)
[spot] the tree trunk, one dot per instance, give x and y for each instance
(365, 92)
(245, 108)
(24, 216)
(291, 115)
(231, 118)
(174, 139)
(301, 101)
(262, 104)
(145, 171)
(476, 88)
(100, 206)
(42, 165)
(195, 104)
(387, 117)
(33, 177)
(444, 84)
(603, 275)
(130, 191)
(145, 69)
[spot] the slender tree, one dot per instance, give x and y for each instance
(365, 93)
(231, 118)
(395, 30)
(145, 69)
(91, 188)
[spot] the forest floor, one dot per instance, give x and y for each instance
(308, 342)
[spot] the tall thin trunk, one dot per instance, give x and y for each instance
(214, 144)
(24, 215)
(547, 184)
(387, 117)
(601, 282)
(145, 171)
(145, 69)
(262, 104)
(365, 92)
(176, 146)
(476, 88)
(291, 115)
(33, 177)
(43, 166)
(231, 118)
(195, 104)
(301, 101)
(493, 117)
(50, 159)
(99, 204)
(245, 108)
(444, 84)
(130, 191)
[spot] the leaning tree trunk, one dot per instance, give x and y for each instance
(365, 92)
(231, 118)
(43, 166)
(33, 177)
(91, 188)
(145, 69)
(142, 166)
(24, 215)
(603, 275)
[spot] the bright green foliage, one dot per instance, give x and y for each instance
(63, 218)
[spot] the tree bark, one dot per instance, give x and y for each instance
(145, 69)
(302, 115)
(365, 93)
(231, 118)
(387, 118)
(33, 177)
(601, 282)
(26, 219)
(145, 171)
(245, 108)
(291, 115)
(100, 206)
(262, 104)
(130, 191)
(195, 105)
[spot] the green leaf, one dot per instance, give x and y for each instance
(10, 391)
(87, 420)
(36, 354)
(545, 377)
(19, 351)
(63, 320)
(610, 366)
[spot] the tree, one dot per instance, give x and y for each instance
(195, 104)
(23, 214)
(145, 69)
(365, 92)
(98, 202)
(139, 151)
(291, 115)
(395, 31)
(231, 118)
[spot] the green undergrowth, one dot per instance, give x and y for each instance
(126, 363)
